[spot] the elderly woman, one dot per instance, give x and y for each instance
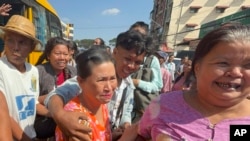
(52, 73)
(97, 79)
(217, 99)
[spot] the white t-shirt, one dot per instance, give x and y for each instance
(21, 91)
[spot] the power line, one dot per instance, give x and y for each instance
(101, 27)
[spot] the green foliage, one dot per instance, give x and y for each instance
(85, 43)
(112, 42)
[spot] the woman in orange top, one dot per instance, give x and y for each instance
(97, 79)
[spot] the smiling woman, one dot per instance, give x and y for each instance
(53, 71)
(217, 99)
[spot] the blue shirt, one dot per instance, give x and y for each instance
(156, 84)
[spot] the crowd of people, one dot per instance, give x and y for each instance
(69, 96)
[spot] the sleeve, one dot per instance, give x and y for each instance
(156, 84)
(67, 91)
(149, 117)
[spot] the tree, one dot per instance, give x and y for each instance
(112, 42)
(85, 43)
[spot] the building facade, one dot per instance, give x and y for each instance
(67, 30)
(182, 19)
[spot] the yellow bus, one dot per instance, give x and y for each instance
(44, 17)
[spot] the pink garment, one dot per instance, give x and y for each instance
(179, 84)
(169, 114)
(167, 80)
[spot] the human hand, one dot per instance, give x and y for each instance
(130, 133)
(72, 126)
(136, 82)
(4, 9)
(116, 134)
(125, 125)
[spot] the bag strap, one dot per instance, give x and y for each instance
(147, 64)
(148, 61)
(120, 108)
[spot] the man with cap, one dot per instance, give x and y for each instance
(19, 79)
(166, 75)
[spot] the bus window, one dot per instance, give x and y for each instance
(55, 26)
(40, 22)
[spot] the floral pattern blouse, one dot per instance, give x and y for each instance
(99, 132)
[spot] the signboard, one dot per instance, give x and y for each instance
(243, 17)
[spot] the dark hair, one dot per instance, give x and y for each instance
(73, 46)
(101, 41)
(140, 24)
(134, 40)
(51, 43)
(188, 80)
(92, 57)
(226, 34)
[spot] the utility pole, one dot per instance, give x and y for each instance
(178, 23)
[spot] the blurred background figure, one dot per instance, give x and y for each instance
(179, 67)
(166, 76)
(140, 26)
(99, 41)
(183, 81)
(170, 66)
(73, 52)
(109, 50)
